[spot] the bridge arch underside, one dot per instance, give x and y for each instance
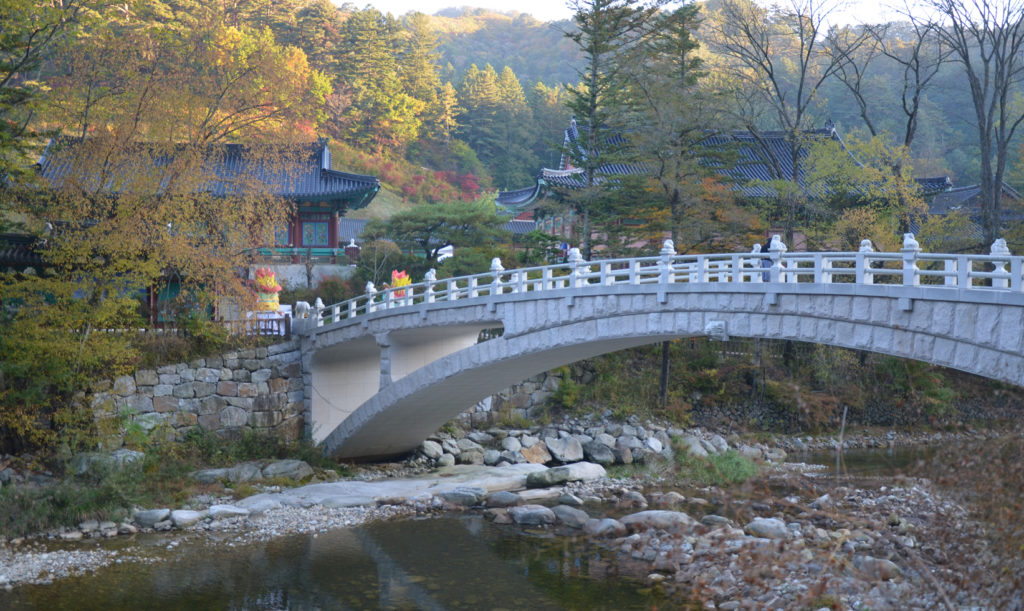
(980, 339)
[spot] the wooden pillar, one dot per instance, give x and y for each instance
(332, 233)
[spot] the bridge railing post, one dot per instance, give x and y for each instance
(910, 251)
(776, 248)
(665, 272)
(1000, 277)
(497, 269)
(452, 289)
(429, 280)
(863, 263)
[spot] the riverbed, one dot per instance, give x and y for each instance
(397, 557)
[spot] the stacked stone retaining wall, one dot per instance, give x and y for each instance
(257, 389)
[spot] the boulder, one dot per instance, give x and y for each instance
(657, 518)
(244, 472)
(258, 505)
(91, 461)
(446, 460)
(511, 444)
(471, 456)
(463, 496)
(537, 454)
(183, 518)
(532, 515)
(502, 498)
(565, 450)
(492, 457)
(598, 452)
(431, 449)
(606, 527)
(210, 476)
(581, 471)
(570, 516)
(148, 518)
(692, 445)
(669, 499)
(653, 444)
(768, 528)
(291, 469)
(876, 569)
(606, 439)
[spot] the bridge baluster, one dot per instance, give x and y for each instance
(776, 249)
(822, 267)
(452, 289)
(949, 267)
(736, 263)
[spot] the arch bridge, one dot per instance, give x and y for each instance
(385, 370)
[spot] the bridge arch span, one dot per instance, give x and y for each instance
(927, 324)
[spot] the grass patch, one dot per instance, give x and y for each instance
(729, 467)
(160, 479)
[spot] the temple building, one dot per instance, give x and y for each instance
(751, 161)
(301, 174)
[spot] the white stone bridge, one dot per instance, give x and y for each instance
(385, 370)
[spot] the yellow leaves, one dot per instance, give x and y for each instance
(225, 42)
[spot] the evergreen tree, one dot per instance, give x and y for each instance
(606, 30)
(380, 115)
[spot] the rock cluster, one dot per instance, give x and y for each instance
(765, 561)
(604, 443)
(257, 388)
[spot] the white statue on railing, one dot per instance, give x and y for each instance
(431, 276)
(866, 246)
(777, 245)
(575, 256)
(496, 267)
(668, 249)
(999, 248)
(910, 243)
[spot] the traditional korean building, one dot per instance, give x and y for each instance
(753, 160)
(301, 174)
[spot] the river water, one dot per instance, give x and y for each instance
(462, 562)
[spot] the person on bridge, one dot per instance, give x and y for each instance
(766, 262)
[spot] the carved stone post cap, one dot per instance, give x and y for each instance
(866, 246)
(999, 248)
(496, 265)
(575, 256)
(318, 304)
(370, 288)
(756, 248)
(668, 249)
(910, 243)
(430, 276)
(777, 245)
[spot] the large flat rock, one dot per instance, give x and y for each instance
(448, 479)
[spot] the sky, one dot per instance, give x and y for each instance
(544, 10)
(852, 11)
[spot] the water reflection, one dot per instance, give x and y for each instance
(450, 563)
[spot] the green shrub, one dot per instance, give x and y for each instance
(729, 467)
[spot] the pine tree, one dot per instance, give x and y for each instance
(606, 31)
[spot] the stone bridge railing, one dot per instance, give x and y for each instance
(997, 271)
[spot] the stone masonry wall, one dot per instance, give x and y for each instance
(258, 388)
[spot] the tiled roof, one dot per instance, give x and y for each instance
(932, 185)
(754, 154)
(519, 227)
(518, 199)
(297, 172)
(19, 251)
(965, 199)
(349, 229)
